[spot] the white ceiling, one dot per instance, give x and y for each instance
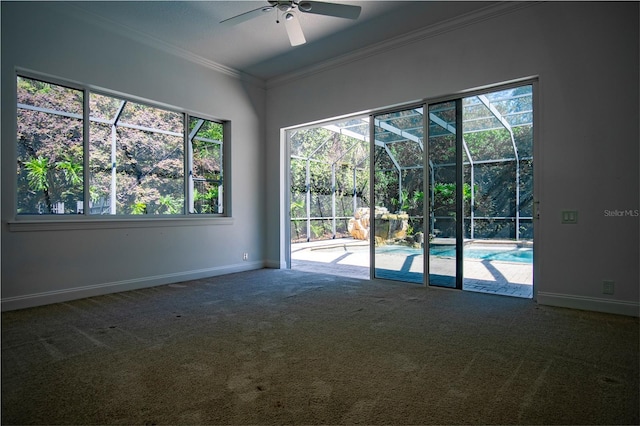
(260, 47)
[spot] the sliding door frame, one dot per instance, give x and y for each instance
(372, 144)
(459, 193)
(424, 104)
(457, 98)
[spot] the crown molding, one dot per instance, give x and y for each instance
(461, 21)
(132, 33)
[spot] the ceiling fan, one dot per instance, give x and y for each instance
(288, 11)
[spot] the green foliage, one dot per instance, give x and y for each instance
(410, 203)
(444, 194)
(138, 208)
(61, 180)
(490, 144)
(297, 210)
(34, 87)
(418, 198)
(38, 173)
(466, 191)
(410, 230)
(211, 130)
(169, 205)
(385, 188)
(94, 194)
(72, 171)
(206, 202)
(317, 229)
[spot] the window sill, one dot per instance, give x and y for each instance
(29, 225)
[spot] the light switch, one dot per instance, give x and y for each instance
(569, 216)
(608, 287)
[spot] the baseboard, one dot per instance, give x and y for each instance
(618, 307)
(64, 295)
(275, 264)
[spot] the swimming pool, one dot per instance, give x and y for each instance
(506, 254)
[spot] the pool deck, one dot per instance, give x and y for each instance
(350, 258)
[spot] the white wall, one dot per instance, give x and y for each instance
(585, 56)
(51, 265)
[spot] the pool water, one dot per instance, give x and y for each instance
(523, 255)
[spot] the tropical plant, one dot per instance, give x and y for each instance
(169, 205)
(139, 208)
(38, 173)
(72, 171)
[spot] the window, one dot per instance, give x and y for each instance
(140, 159)
(205, 166)
(136, 158)
(50, 148)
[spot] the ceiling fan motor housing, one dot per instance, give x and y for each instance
(283, 5)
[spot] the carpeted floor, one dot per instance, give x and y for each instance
(286, 347)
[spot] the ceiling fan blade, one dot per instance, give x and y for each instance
(330, 9)
(294, 30)
(247, 15)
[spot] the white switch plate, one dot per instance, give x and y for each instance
(569, 216)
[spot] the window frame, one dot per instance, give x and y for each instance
(86, 220)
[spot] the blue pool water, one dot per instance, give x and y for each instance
(523, 255)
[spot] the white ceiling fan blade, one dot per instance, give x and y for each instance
(247, 15)
(330, 9)
(294, 30)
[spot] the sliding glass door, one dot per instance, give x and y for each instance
(444, 195)
(398, 237)
(448, 199)
(407, 224)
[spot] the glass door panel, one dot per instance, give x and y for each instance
(398, 225)
(444, 193)
(498, 192)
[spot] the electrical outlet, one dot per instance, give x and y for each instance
(607, 287)
(245, 256)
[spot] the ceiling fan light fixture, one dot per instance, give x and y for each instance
(284, 7)
(288, 16)
(267, 9)
(304, 6)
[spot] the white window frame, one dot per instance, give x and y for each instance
(85, 220)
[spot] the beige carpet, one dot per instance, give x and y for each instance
(285, 347)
